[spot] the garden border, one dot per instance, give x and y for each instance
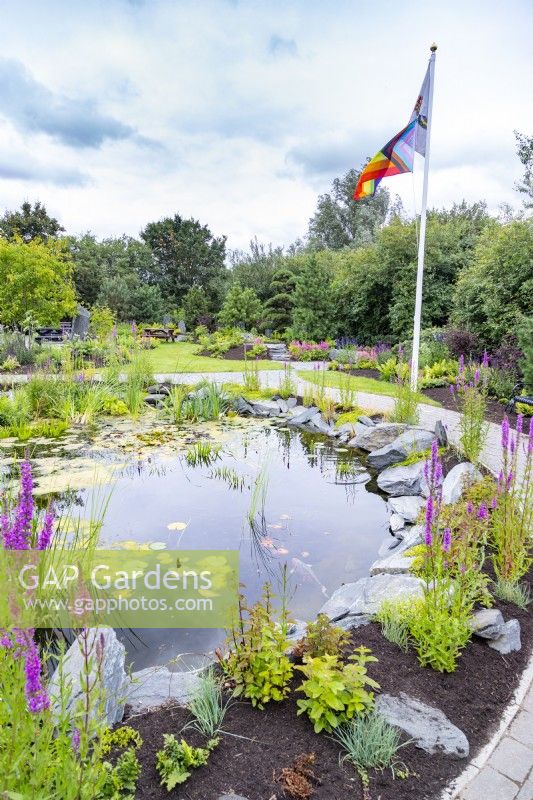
(476, 764)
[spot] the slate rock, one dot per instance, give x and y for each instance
(457, 479)
(154, 686)
(282, 404)
(232, 797)
(241, 406)
(366, 421)
(397, 562)
(400, 481)
(353, 621)
(366, 595)
(112, 671)
(321, 425)
(415, 440)
(292, 402)
(407, 507)
(441, 433)
(265, 408)
(301, 415)
(396, 523)
(155, 400)
(297, 630)
(430, 729)
(387, 546)
(379, 435)
(488, 623)
(509, 641)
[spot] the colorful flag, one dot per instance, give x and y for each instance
(398, 155)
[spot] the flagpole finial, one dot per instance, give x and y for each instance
(433, 47)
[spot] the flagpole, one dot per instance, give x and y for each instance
(422, 239)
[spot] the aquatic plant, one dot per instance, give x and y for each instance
(202, 452)
(229, 476)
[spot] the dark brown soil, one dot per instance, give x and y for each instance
(236, 354)
(473, 698)
(495, 410)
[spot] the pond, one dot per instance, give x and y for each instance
(279, 496)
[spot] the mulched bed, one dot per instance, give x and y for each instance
(495, 410)
(236, 354)
(474, 698)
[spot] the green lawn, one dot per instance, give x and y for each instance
(362, 384)
(181, 357)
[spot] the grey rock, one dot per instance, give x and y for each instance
(509, 641)
(242, 406)
(296, 630)
(155, 400)
(283, 406)
(379, 435)
(441, 433)
(112, 671)
(415, 440)
(301, 415)
(396, 523)
(366, 421)
(265, 408)
(321, 425)
(400, 481)
(159, 388)
(406, 507)
(232, 797)
(396, 562)
(352, 621)
(387, 546)
(488, 623)
(292, 402)
(366, 595)
(153, 686)
(458, 478)
(430, 729)
(348, 428)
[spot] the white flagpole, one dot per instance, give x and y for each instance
(422, 240)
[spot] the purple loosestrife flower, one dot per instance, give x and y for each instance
(75, 739)
(36, 695)
(470, 507)
(428, 538)
(494, 503)
(477, 376)
(45, 536)
(482, 512)
(461, 364)
(452, 389)
(5, 640)
(485, 362)
(447, 540)
(510, 478)
(505, 433)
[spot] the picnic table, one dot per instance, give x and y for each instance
(168, 334)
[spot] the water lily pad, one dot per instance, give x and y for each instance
(177, 526)
(158, 546)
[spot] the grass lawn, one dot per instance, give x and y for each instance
(362, 384)
(181, 357)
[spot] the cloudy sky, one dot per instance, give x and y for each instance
(239, 113)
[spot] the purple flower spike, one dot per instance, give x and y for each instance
(452, 389)
(470, 507)
(513, 445)
(477, 377)
(36, 695)
(510, 479)
(461, 363)
(485, 362)
(75, 738)
(46, 533)
(482, 512)
(505, 433)
(429, 521)
(447, 540)
(494, 503)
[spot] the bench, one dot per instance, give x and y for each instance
(518, 398)
(167, 334)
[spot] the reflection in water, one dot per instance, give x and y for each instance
(278, 495)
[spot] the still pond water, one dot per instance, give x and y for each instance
(313, 505)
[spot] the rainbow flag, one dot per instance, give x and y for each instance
(397, 156)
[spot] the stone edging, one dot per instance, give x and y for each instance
(453, 791)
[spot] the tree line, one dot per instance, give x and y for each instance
(353, 274)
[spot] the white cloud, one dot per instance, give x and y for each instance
(257, 106)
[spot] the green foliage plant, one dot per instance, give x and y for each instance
(207, 705)
(471, 398)
(101, 322)
(369, 742)
(335, 692)
(257, 661)
(322, 637)
(175, 760)
(405, 403)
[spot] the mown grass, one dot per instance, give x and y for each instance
(358, 384)
(182, 357)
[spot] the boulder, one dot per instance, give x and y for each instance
(352, 621)
(241, 406)
(159, 388)
(457, 480)
(155, 400)
(291, 402)
(441, 433)
(388, 545)
(296, 630)
(366, 595)
(283, 406)
(509, 641)
(319, 423)
(399, 481)
(153, 686)
(430, 729)
(366, 421)
(396, 562)
(396, 523)
(415, 440)
(372, 438)
(232, 797)
(488, 623)
(300, 415)
(104, 641)
(406, 507)
(265, 408)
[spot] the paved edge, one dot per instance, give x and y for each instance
(453, 790)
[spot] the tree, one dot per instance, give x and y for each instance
(314, 308)
(240, 307)
(278, 309)
(29, 223)
(495, 291)
(129, 299)
(194, 305)
(525, 154)
(256, 269)
(36, 278)
(185, 254)
(95, 262)
(339, 221)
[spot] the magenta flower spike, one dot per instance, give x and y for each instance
(485, 362)
(482, 512)
(447, 540)
(505, 433)
(461, 363)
